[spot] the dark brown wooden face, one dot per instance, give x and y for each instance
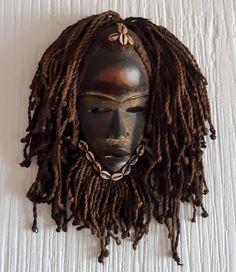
(112, 105)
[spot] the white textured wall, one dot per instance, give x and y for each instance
(208, 28)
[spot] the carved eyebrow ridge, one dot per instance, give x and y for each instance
(108, 97)
(135, 96)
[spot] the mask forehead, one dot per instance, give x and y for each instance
(115, 72)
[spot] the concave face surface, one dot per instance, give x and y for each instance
(112, 105)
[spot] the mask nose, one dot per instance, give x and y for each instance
(118, 129)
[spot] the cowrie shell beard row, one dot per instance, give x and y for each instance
(104, 174)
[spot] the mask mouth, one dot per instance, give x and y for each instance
(116, 151)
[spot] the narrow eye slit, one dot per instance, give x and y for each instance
(135, 109)
(99, 110)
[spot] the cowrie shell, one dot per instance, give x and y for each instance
(130, 40)
(117, 176)
(83, 145)
(124, 29)
(140, 150)
(113, 37)
(105, 175)
(133, 160)
(97, 166)
(121, 39)
(126, 170)
(89, 156)
(125, 39)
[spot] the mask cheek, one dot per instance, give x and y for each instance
(136, 124)
(95, 130)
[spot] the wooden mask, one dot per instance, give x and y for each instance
(113, 101)
(117, 119)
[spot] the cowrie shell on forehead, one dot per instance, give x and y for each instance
(122, 35)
